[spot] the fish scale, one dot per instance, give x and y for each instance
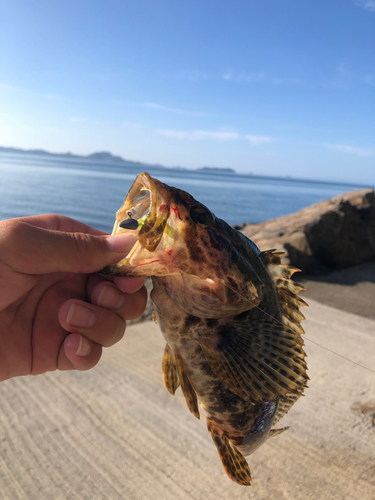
(228, 312)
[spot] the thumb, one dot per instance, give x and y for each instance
(35, 250)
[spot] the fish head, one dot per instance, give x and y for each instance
(208, 268)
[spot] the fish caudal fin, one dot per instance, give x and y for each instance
(170, 373)
(234, 463)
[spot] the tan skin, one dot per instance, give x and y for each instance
(56, 312)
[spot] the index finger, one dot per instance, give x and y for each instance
(60, 223)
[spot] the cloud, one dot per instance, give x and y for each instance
(366, 4)
(348, 149)
(179, 111)
(230, 76)
(255, 140)
(198, 135)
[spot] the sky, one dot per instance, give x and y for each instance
(270, 87)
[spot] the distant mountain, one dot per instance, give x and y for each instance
(106, 157)
(102, 156)
(218, 169)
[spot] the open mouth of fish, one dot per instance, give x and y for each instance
(145, 212)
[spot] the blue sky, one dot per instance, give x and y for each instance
(275, 87)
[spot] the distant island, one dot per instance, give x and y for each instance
(104, 157)
(217, 169)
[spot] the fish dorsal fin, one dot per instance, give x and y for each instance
(286, 288)
(234, 463)
(257, 360)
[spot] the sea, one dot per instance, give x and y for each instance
(92, 191)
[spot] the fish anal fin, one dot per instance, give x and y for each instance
(259, 359)
(187, 389)
(276, 432)
(170, 372)
(234, 463)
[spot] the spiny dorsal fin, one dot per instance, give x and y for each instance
(286, 288)
(170, 373)
(234, 463)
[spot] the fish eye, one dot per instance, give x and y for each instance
(202, 216)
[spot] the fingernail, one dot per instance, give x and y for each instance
(111, 298)
(84, 347)
(80, 316)
(121, 243)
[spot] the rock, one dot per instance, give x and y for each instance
(332, 234)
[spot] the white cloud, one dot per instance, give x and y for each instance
(366, 4)
(179, 111)
(198, 135)
(348, 149)
(259, 77)
(255, 140)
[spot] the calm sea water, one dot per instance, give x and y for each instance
(92, 191)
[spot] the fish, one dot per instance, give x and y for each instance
(229, 314)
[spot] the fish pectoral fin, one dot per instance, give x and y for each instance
(187, 389)
(234, 463)
(276, 432)
(259, 360)
(170, 372)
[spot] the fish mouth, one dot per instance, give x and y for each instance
(144, 212)
(137, 204)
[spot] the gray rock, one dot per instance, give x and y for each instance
(332, 234)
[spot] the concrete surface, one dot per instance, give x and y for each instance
(115, 433)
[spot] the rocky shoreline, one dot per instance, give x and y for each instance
(330, 235)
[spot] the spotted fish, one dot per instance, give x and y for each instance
(229, 314)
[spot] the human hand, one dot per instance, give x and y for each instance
(55, 311)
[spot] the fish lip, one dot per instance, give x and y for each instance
(142, 180)
(150, 230)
